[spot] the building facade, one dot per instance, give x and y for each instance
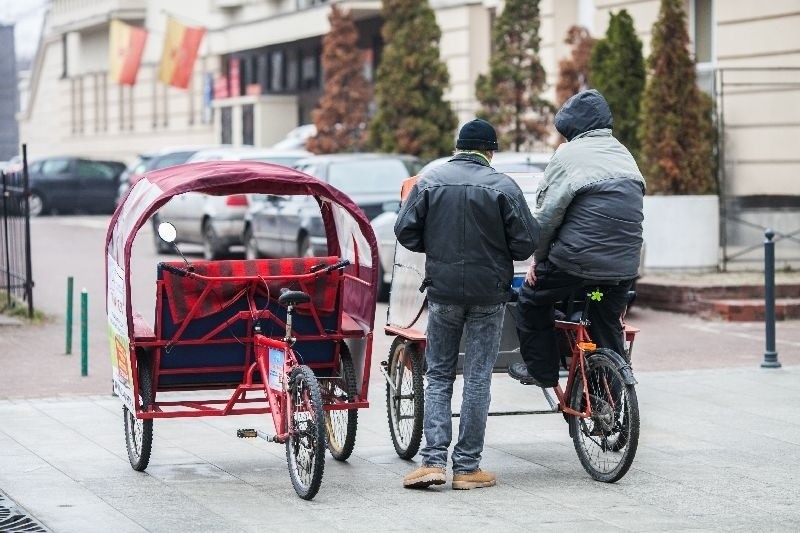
(258, 73)
(9, 138)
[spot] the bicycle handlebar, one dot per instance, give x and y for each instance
(341, 263)
(175, 270)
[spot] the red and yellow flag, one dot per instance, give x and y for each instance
(125, 47)
(180, 50)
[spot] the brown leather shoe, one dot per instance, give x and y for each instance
(475, 480)
(424, 477)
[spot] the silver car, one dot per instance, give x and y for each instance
(217, 222)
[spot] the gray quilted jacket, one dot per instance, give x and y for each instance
(589, 205)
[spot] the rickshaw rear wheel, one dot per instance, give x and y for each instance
(305, 446)
(405, 402)
(139, 432)
(342, 424)
(606, 442)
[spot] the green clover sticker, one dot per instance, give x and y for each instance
(597, 295)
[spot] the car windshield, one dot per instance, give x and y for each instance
(368, 176)
(169, 160)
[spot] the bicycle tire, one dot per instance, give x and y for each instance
(139, 432)
(406, 409)
(606, 443)
(342, 424)
(306, 443)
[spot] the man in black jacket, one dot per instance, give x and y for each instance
(472, 222)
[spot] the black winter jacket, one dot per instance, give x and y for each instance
(472, 222)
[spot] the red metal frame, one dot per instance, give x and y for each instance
(257, 346)
(577, 361)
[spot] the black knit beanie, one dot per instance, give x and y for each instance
(477, 135)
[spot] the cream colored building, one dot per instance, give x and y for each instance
(72, 106)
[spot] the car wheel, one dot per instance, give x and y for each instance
(250, 246)
(36, 204)
(211, 247)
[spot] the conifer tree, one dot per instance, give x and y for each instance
(342, 113)
(573, 72)
(676, 130)
(412, 117)
(511, 93)
(617, 70)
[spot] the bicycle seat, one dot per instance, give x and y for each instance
(293, 298)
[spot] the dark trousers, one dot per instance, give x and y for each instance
(536, 318)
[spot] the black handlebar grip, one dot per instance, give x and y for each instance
(337, 265)
(173, 269)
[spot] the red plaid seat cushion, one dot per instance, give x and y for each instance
(182, 293)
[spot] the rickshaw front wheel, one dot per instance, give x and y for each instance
(305, 447)
(139, 432)
(138, 439)
(405, 397)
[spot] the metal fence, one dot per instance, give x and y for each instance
(758, 147)
(16, 281)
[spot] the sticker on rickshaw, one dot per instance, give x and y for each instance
(118, 333)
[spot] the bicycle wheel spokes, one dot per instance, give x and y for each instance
(606, 441)
(305, 447)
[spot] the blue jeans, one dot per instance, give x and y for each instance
(446, 323)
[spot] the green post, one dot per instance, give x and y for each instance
(69, 315)
(84, 333)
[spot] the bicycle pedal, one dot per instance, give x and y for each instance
(246, 433)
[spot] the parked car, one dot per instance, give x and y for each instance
(278, 226)
(216, 222)
(525, 168)
(132, 173)
(73, 184)
(166, 157)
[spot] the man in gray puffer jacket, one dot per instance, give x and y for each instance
(471, 222)
(589, 211)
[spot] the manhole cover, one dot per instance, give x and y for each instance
(13, 519)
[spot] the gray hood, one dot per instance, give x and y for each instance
(586, 111)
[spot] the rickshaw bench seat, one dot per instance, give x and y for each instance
(142, 331)
(197, 363)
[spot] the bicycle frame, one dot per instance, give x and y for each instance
(580, 346)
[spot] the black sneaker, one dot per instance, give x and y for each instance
(519, 371)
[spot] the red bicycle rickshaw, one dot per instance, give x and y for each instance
(291, 337)
(598, 399)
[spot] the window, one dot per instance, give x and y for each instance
(375, 176)
(94, 170)
(226, 130)
(55, 167)
(701, 27)
(276, 71)
(702, 21)
(247, 124)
